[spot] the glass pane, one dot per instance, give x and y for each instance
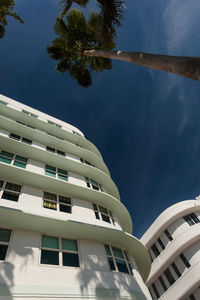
(63, 177)
(95, 187)
(13, 187)
(25, 112)
(15, 136)
(10, 196)
(87, 179)
(117, 252)
(3, 251)
(66, 208)
(108, 252)
(7, 154)
(49, 257)
(94, 206)
(33, 115)
(70, 259)
(60, 153)
(111, 263)
(50, 205)
(50, 242)
(26, 141)
(50, 168)
(93, 182)
(105, 218)
(63, 199)
(3, 102)
(19, 164)
(97, 215)
(63, 172)
(103, 210)
(126, 255)
(49, 196)
(1, 183)
(21, 158)
(48, 173)
(122, 266)
(5, 235)
(70, 245)
(51, 149)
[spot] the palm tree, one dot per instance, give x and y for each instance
(82, 46)
(6, 9)
(75, 35)
(66, 5)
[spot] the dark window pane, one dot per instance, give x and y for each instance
(26, 141)
(10, 196)
(51, 149)
(5, 235)
(1, 183)
(195, 218)
(3, 251)
(184, 260)
(97, 215)
(155, 290)
(15, 136)
(66, 208)
(163, 283)
(87, 163)
(111, 263)
(108, 252)
(95, 187)
(192, 297)
(176, 270)
(70, 259)
(168, 235)
(169, 276)
(103, 210)
(189, 220)
(161, 244)
(49, 257)
(60, 153)
(122, 266)
(63, 199)
(105, 218)
(94, 206)
(155, 250)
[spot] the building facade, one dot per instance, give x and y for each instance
(173, 241)
(64, 234)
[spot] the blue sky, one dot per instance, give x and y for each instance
(146, 123)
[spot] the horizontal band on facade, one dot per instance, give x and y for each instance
(44, 182)
(60, 162)
(78, 230)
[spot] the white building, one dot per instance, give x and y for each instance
(173, 241)
(64, 234)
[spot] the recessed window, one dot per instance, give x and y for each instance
(59, 251)
(118, 259)
(155, 250)
(103, 214)
(176, 270)
(162, 283)
(56, 172)
(93, 184)
(161, 244)
(4, 242)
(3, 102)
(168, 235)
(57, 202)
(184, 260)
(54, 124)
(155, 291)
(20, 138)
(11, 190)
(169, 276)
(192, 297)
(191, 219)
(75, 132)
(53, 150)
(16, 160)
(29, 113)
(85, 162)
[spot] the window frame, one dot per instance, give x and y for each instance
(91, 185)
(191, 219)
(109, 214)
(57, 202)
(14, 159)
(6, 243)
(59, 173)
(60, 251)
(126, 259)
(55, 151)
(3, 189)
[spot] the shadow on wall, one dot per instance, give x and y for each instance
(108, 285)
(7, 270)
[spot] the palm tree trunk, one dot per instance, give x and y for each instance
(180, 65)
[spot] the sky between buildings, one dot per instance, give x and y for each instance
(145, 123)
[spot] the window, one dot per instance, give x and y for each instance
(57, 202)
(161, 244)
(29, 113)
(15, 160)
(59, 251)
(118, 260)
(92, 183)
(3, 102)
(169, 276)
(155, 290)
(54, 124)
(4, 242)
(50, 149)
(155, 250)
(103, 214)
(56, 172)
(168, 235)
(11, 191)
(192, 297)
(176, 270)
(75, 132)
(25, 124)
(162, 283)
(85, 162)
(20, 139)
(184, 260)
(191, 219)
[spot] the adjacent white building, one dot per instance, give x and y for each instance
(173, 241)
(64, 234)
